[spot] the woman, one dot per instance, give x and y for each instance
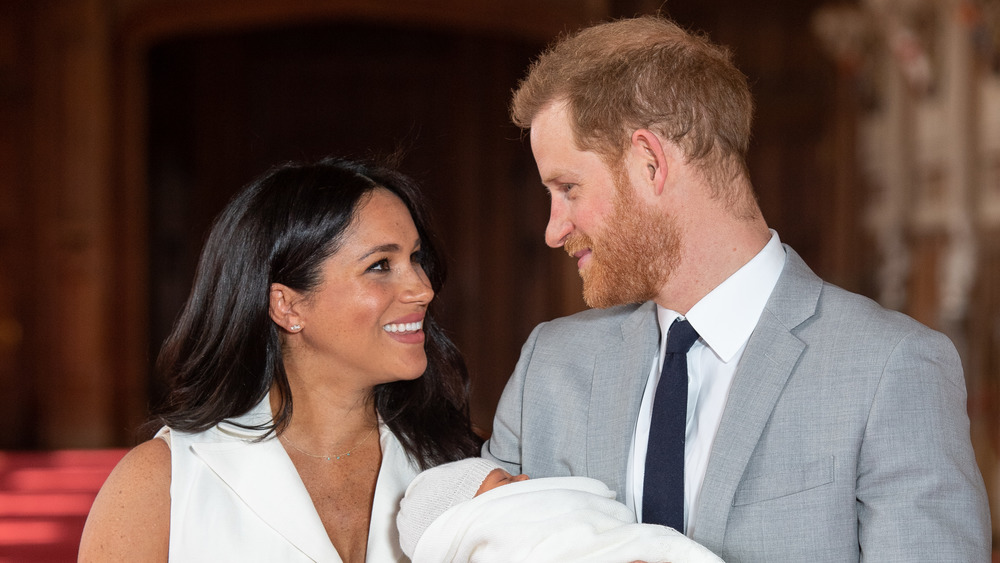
(308, 383)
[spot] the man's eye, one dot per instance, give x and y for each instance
(564, 188)
(561, 189)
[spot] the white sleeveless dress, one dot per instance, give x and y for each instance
(232, 499)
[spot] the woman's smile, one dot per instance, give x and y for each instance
(408, 330)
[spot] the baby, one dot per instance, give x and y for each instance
(472, 511)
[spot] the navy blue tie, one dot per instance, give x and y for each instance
(663, 484)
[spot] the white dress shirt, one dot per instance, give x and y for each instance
(724, 319)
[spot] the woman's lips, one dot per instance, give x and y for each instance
(408, 329)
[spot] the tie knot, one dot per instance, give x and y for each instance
(680, 337)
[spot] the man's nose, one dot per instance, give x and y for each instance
(559, 226)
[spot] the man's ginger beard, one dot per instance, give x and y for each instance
(633, 255)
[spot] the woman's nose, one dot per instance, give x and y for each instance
(417, 286)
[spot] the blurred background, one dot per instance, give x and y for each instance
(126, 125)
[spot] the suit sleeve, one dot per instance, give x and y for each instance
(919, 491)
(504, 446)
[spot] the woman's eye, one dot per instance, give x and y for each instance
(380, 266)
(418, 257)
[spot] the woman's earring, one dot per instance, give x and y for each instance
(295, 328)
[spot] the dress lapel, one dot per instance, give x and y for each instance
(769, 359)
(620, 370)
(276, 494)
(393, 477)
(272, 490)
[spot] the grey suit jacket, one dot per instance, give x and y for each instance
(845, 436)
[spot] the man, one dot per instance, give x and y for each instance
(818, 425)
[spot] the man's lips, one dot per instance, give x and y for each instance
(579, 247)
(582, 257)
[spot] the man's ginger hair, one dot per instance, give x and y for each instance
(647, 73)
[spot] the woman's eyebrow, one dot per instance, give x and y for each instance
(391, 247)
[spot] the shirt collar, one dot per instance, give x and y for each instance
(726, 317)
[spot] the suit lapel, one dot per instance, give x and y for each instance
(621, 367)
(769, 359)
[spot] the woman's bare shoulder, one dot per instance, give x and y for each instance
(130, 518)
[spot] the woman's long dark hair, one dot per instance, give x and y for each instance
(224, 352)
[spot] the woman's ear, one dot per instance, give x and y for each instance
(647, 154)
(282, 307)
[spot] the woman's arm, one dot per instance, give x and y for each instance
(130, 518)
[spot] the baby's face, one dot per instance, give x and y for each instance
(498, 477)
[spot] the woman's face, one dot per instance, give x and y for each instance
(364, 321)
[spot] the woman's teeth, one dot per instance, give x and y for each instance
(404, 327)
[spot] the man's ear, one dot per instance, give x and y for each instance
(649, 159)
(282, 307)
